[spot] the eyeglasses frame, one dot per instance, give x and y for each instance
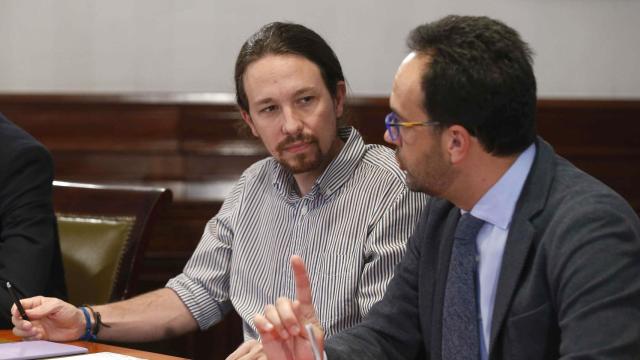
(392, 121)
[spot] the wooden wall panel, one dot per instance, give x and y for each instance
(189, 143)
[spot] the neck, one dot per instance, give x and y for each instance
(306, 180)
(478, 178)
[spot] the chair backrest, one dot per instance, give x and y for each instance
(104, 231)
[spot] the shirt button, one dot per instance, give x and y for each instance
(304, 210)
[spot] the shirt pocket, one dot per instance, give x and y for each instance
(342, 252)
(339, 307)
(338, 278)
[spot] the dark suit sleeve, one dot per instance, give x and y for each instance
(28, 233)
(391, 329)
(595, 274)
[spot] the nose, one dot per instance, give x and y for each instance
(291, 123)
(388, 139)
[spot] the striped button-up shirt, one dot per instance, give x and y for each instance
(350, 229)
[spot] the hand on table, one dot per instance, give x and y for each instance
(50, 319)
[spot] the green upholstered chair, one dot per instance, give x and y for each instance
(103, 232)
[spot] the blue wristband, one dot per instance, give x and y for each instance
(88, 336)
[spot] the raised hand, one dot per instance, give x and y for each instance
(281, 327)
(51, 319)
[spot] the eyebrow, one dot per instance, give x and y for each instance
(268, 100)
(304, 90)
(397, 113)
(263, 101)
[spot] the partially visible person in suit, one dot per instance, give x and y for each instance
(29, 249)
(518, 255)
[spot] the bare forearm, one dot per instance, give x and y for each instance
(156, 315)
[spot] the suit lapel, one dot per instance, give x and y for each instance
(515, 255)
(521, 235)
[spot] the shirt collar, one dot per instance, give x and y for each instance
(497, 205)
(335, 175)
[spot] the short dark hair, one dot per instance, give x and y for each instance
(280, 38)
(480, 77)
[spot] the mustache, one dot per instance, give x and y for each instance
(305, 138)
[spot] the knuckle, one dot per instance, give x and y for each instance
(282, 301)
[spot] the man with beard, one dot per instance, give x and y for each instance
(324, 195)
(518, 255)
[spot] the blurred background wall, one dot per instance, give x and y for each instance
(584, 48)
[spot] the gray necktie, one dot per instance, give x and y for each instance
(460, 323)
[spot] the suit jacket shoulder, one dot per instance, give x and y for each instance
(567, 268)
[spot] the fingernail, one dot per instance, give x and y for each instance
(295, 330)
(268, 326)
(284, 335)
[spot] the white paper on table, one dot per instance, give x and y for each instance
(100, 356)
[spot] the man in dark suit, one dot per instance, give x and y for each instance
(29, 250)
(520, 255)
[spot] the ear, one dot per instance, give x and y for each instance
(457, 141)
(341, 95)
(247, 120)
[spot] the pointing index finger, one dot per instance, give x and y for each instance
(303, 285)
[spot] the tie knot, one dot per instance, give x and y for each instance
(468, 227)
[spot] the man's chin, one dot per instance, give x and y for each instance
(301, 166)
(410, 182)
(414, 185)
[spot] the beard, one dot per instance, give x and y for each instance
(432, 174)
(306, 161)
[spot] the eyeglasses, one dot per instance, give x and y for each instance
(393, 124)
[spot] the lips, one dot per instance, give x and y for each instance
(296, 147)
(296, 144)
